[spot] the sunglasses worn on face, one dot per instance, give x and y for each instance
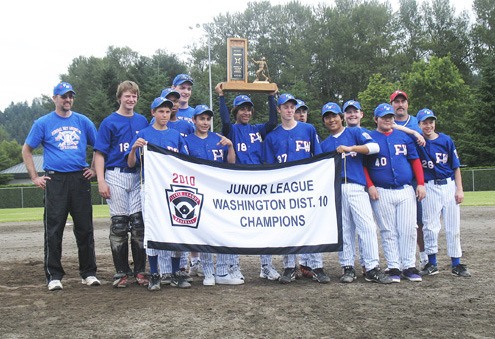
(67, 95)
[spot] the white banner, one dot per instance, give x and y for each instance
(196, 205)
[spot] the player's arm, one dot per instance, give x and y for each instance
(272, 117)
(420, 140)
(103, 188)
(459, 191)
(27, 156)
(224, 111)
(131, 157)
(420, 178)
(370, 148)
(224, 141)
(372, 191)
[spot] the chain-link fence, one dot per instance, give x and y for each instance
(32, 196)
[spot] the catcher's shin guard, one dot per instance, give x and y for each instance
(119, 242)
(137, 242)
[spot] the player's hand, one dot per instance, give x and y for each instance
(420, 140)
(459, 196)
(219, 89)
(104, 189)
(420, 192)
(344, 149)
(373, 193)
(41, 181)
(224, 141)
(89, 173)
(140, 142)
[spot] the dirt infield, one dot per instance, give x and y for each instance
(440, 306)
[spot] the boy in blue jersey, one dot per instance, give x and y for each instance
(205, 144)
(247, 140)
(159, 134)
(184, 127)
(357, 215)
(290, 141)
(119, 184)
(444, 193)
(301, 113)
(183, 84)
(64, 135)
(393, 198)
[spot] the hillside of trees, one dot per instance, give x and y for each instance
(355, 49)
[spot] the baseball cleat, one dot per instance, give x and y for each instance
(349, 275)
(268, 272)
(429, 269)
(376, 275)
(154, 282)
(320, 276)
(288, 276)
(461, 271)
(411, 274)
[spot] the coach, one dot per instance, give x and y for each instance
(64, 135)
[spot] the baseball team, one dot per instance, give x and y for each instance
(403, 177)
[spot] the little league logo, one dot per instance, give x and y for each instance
(184, 205)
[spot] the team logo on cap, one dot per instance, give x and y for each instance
(184, 205)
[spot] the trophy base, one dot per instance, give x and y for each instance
(259, 87)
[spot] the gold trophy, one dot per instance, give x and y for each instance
(237, 74)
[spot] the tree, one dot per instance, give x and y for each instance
(438, 85)
(10, 154)
(377, 92)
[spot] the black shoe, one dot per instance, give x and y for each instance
(349, 275)
(179, 279)
(288, 276)
(320, 276)
(154, 282)
(376, 275)
(461, 271)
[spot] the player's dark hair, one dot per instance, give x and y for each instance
(236, 109)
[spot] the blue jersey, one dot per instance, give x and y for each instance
(439, 158)
(353, 162)
(186, 114)
(64, 141)
(115, 135)
(182, 126)
(247, 139)
(390, 168)
(207, 148)
(169, 139)
(411, 123)
(283, 145)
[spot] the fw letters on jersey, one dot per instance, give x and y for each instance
(197, 205)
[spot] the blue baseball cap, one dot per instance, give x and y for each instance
(301, 104)
(242, 99)
(161, 101)
(351, 103)
(384, 109)
(424, 114)
(200, 109)
(284, 98)
(167, 91)
(181, 78)
(331, 107)
(63, 88)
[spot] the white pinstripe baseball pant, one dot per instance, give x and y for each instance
(357, 216)
(125, 196)
(440, 201)
(395, 213)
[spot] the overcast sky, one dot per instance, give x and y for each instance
(40, 38)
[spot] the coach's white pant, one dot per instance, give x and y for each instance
(440, 201)
(395, 213)
(357, 216)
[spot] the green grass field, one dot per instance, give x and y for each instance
(485, 198)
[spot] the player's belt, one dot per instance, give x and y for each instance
(394, 187)
(444, 181)
(62, 173)
(123, 169)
